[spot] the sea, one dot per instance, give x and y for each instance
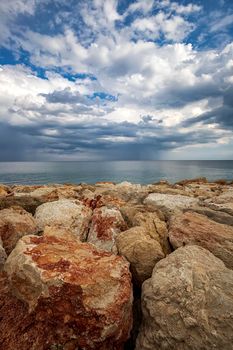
(143, 172)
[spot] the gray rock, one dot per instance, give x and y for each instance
(187, 304)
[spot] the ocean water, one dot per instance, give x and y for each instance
(143, 172)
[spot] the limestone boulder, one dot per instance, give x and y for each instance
(169, 203)
(15, 222)
(155, 228)
(79, 296)
(4, 191)
(71, 214)
(216, 215)
(142, 251)
(223, 207)
(187, 303)
(106, 224)
(195, 229)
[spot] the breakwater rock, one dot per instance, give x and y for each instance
(117, 266)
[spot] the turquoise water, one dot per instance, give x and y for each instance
(143, 172)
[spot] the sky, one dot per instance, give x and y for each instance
(116, 80)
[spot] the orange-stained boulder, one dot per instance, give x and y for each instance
(15, 222)
(82, 294)
(106, 224)
(71, 214)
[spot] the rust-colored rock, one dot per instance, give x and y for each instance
(196, 229)
(82, 295)
(106, 224)
(15, 222)
(70, 214)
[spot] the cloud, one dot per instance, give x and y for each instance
(153, 93)
(221, 116)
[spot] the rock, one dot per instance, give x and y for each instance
(140, 250)
(3, 191)
(15, 222)
(188, 303)
(225, 197)
(71, 214)
(155, 228)
(3, 255)
(105, 226)
(28, 203)
(60, 233)
(198, 180)
(226, 207)
(196, 229)
(218, 216)
(81, 294)
(169, 203)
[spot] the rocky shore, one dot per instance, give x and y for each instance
(117, 266)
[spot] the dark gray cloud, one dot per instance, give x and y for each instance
(223, 116)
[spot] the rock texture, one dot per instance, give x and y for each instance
(155, 228)
(169, 202)
(140, 250)
(83, 293)
(15, 222)
(105, 226)
(188, 303)
(3, 255)
(192, 228)
(71, 214)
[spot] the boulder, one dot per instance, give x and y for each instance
(142, 251)
(187, 303)
(155, 228)
(196, 229)
(3, 191)
(15, 222)
(224, 207)
(82, 295)
(71, 214)
(169, 203)
(105, 226)
(26, 202)
(3, 255)
(218, 216)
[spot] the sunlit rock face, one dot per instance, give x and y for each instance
(67, 213)
(15, 222)
(187, 303)
(106, 224)
(169, 203)
(193, 228)
(82, 294)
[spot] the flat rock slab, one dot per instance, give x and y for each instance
(196, 229)
(188, 303)
(84, 293)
